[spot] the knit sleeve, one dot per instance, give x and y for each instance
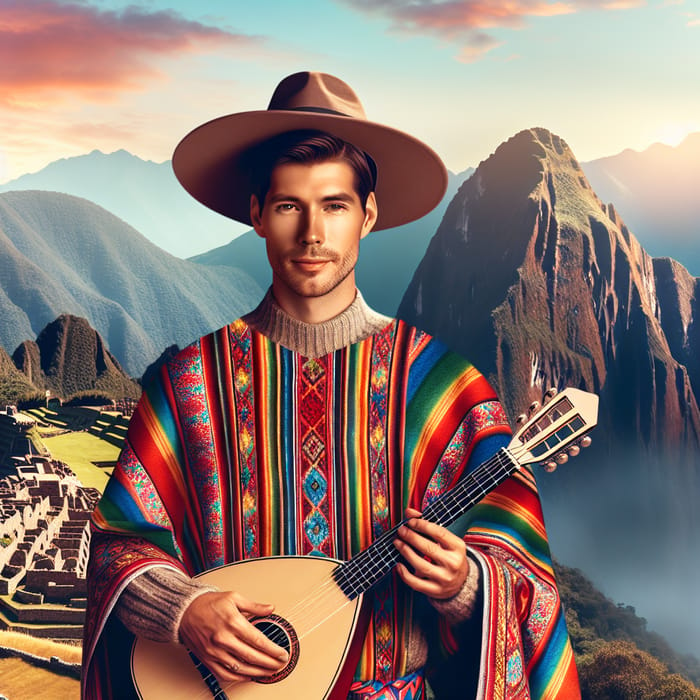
(461, 606)
(153, 603)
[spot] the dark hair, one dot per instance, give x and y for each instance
(309, 147)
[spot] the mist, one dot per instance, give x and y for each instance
(629, 521)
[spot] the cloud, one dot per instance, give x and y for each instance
(464, 21)
(49, 47)
(478, 44)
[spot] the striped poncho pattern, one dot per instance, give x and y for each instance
(242, 448)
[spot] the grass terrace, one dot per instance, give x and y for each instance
(82, 452)
(83, 438)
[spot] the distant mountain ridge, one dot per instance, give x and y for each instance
(62, 254)
(148, 197)
(144, 194)
(656, 192)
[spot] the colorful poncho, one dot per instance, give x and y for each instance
(243, 448)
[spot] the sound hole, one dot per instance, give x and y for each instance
(281, 632)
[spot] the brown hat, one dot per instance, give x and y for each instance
(411, 177)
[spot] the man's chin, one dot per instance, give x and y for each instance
(314, 286)
(313, 291)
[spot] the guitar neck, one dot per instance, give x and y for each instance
(368, 567)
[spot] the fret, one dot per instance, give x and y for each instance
(368, 567)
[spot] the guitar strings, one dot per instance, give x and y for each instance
(365, 569)
(370, 565)
(382, 554)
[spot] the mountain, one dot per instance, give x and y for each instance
(62, 254)
(387, 258)
(68, 357)
(144, 194)
(656, 191)
(537, 281)
(540, 284)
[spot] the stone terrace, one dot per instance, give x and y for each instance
(44, 541)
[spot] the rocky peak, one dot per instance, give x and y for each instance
(70, 356)
(539, 283)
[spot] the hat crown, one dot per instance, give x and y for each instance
(312, 91)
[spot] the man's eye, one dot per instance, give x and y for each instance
(336, 206)
(285, 206)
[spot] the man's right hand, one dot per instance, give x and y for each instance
(216, 628)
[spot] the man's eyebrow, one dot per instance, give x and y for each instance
(280, 196)
(335, 197)
(339, 197)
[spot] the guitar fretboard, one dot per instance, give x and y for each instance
(368, 567)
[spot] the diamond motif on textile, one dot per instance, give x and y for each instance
(313, 447)
(313, 370)
(316, 528)
(315, 486)
(312, 408)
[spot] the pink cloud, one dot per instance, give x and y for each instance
(49, 46)
(464, 21)
(455, 16)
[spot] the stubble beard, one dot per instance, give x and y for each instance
(311, 286)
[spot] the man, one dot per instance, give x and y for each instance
(311, 426)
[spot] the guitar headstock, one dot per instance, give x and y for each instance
(557, 429)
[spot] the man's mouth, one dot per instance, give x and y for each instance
(311, 263)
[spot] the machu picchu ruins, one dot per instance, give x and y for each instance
(44, 513)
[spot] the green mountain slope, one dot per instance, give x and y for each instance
(62, 254)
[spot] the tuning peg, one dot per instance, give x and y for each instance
(534, 406)
(521, 418)
(550, 466)
(574, 451)
(562, 458)
(550, 394)
(585, 441)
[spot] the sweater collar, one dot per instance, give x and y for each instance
(356, 323)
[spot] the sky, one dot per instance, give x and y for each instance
(463, 75)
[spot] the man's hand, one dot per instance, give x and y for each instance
(216, 628)
(437, 557)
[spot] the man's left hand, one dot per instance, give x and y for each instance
(437, 557)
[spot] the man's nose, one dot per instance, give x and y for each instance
(311, 229)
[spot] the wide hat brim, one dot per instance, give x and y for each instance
(411, 177)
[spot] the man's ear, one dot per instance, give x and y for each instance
(370, 215)
(255, 215)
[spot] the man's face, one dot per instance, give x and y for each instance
(312, 222)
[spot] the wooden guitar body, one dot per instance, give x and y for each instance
(321, 625)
